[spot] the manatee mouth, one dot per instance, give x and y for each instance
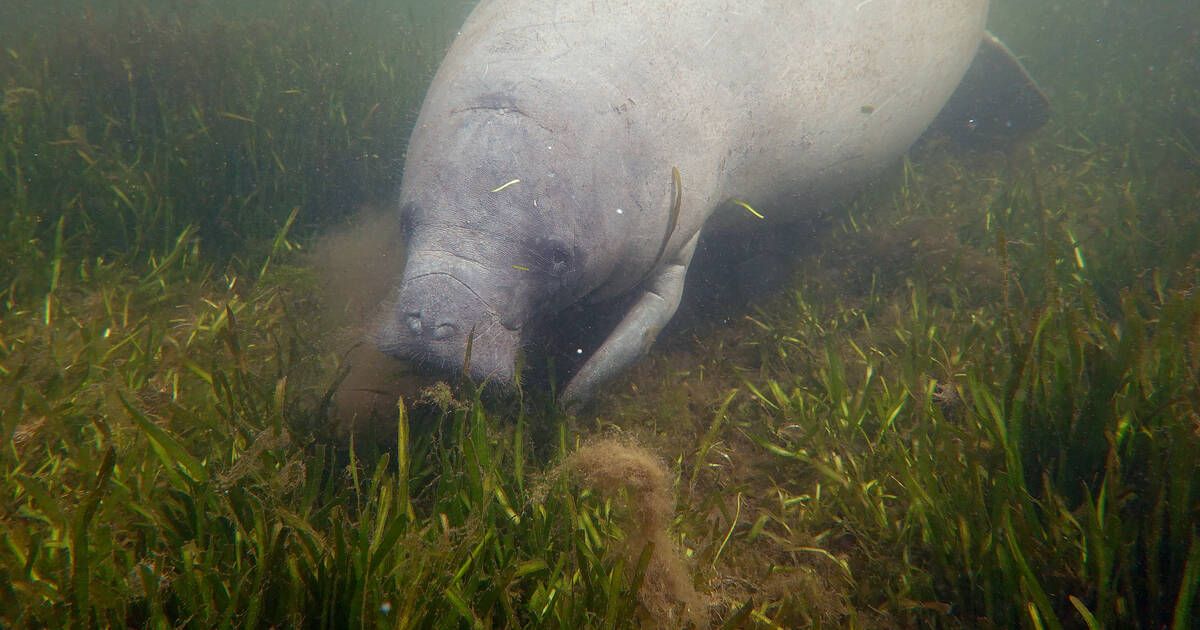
(443, 326)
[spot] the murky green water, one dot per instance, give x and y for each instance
(972, 400)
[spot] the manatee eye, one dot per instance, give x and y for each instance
(559, 258)
(408, 220)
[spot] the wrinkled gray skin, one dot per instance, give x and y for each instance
(784, 104)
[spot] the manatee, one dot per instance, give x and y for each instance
(571, 152)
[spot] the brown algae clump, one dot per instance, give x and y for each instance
(609, 466)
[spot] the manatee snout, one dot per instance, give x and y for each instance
(434, 317)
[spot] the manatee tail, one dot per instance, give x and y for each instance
(997, 101)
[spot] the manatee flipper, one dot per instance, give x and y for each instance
(996, 102)
(636, 332)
